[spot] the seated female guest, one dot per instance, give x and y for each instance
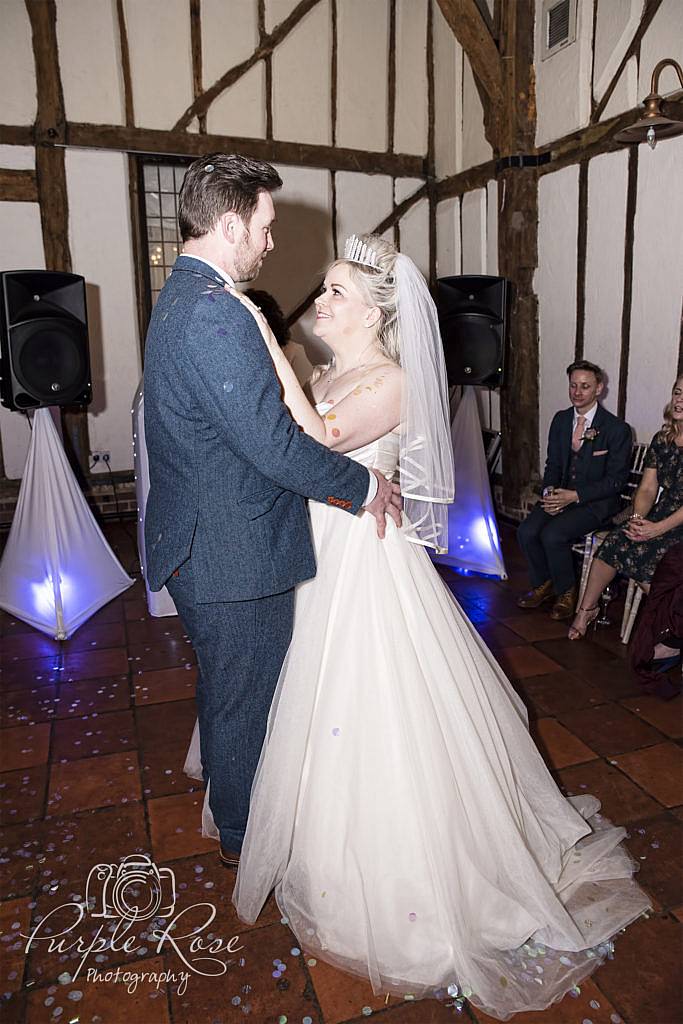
(655, 525)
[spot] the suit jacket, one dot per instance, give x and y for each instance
(603, 463)
(229, 469)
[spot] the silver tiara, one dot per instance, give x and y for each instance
(358, 252)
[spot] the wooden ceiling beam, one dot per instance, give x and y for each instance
(191, 144)
(473, 34)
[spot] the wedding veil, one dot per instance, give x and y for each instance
(426, 452)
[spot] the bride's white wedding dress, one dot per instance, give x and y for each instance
(401, 811)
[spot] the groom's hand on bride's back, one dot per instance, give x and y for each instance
(386, 502)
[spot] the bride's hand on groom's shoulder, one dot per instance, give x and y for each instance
(386, 502)
(258, 316)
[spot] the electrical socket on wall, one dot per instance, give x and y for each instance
(100, 458)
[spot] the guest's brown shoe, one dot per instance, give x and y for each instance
(565, 605)
(537, 596)
(229, 858)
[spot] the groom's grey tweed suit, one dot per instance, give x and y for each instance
(226, 525)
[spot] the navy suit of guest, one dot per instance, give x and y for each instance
(598, 473)
(226, 521)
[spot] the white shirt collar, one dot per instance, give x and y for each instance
(589, 416)
(225, 277)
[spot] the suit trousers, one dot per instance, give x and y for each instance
(547, 543)
(240, 647)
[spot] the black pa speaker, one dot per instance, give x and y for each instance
(473, 321)
(43, 340)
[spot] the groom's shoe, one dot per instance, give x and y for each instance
(229, 858)
(537, 596)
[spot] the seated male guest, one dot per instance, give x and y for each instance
(589, 453)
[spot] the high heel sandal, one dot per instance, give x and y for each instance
(592, 614)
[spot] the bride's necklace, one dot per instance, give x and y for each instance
(328, 376)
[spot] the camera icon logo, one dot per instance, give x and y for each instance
(134, 890)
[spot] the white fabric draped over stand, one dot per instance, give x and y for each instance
(473, 541)
(57, 568)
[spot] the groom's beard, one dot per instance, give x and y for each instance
(247, 262)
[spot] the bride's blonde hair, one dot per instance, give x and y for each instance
(378, 288)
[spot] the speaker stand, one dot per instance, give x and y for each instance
(57, 568)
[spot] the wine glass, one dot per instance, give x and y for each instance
(608, 594)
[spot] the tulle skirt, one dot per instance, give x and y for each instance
(401, 811)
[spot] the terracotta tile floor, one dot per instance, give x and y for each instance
(93, 739)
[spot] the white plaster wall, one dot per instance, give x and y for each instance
(448, 254)
(447, 79)
(301, 80)
(362, 69)
(563, 87)
(363, 200)
(302, 235)
(277, 11)
(229, 36)
(90, 61)
(555, 285)
(625, 95)
(615, 25)
(17, 71)
(410, 126)
(664, 38)
(492, 228)
(474, 232)
(21, 248)
(160, 60)
(100, 239)
(657, 286)
(475, 148)
(18, 158)
(414, 235)
(607, 184)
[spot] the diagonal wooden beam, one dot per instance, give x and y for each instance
(651, 8)
(473, 34)
(266, 46)
(18, 186)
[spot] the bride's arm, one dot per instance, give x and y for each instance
(370, 411)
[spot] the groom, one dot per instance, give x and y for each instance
(226, 524)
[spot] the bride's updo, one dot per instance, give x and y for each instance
(378, 288)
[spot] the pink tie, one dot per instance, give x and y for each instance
(578, 433)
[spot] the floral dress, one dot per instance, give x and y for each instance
(639, 559)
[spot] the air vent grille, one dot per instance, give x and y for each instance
(558, 24)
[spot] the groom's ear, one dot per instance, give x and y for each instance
(228, 224)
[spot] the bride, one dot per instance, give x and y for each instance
(400, 810)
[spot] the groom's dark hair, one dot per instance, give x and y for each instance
(217, 184)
